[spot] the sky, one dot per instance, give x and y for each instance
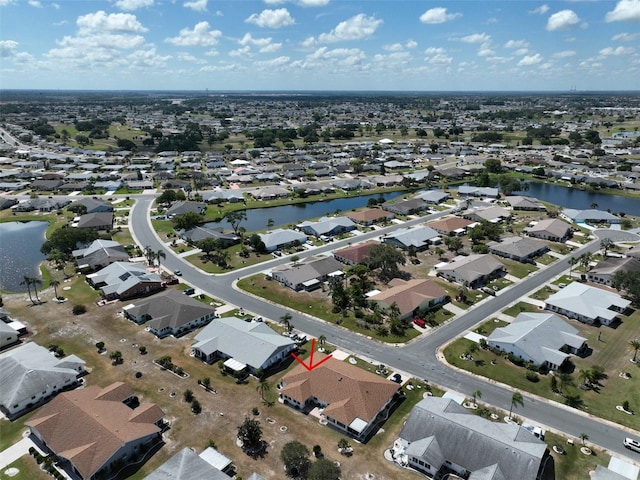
(366, 45)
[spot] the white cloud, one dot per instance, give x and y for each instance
(196, 5)
(564, 54)
(271, 48)
(146, 59)
(438, 15)
(187, 57)
(529, 60)
(411, 44)
(625, 37)
(35, 3)
(8, 48)
(106, 41)
(309, 42)
(394, 47)
(244, 52)
(355, 28)
(199, 36)
(562, 20)
(272, 18)
(609, 51)
(521, 51)
(113, 22)
(440, 60)
(626, 11)
(434, 51)
(56, 6)
(541, 10)
(516, 44)
(130, 5)
(331, 59)
(4, 3)
(273, 64)
(476, 38)
(485, 51)
(258, 42)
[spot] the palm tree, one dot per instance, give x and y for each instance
(27, 281)
(584, 437)
(516, 399)
(54, 283)
(35, 282)
(586, 376)
(606, 244)
(149, 254)
(594, 205)
(564, 380)
(635, 346)
(286, 321)
(263, 387)
(585, 260)
(158, 255)
(322, 339)
(476, 394)
(572, 262)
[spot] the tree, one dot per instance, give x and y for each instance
(339, 296)
(26, 280)
(606, 244)
(295, 457)
(564, 380)
(196, 407)
(150, 255)
(263, 387)
(188, 396)
(286, 321)
(158, 255)
(635, 346)
(453, 243)
(584, 437)
(324, 469)
(235, 218)
(116, 357)
(628, 281)
(572, 262)
(493, 165)
(322, 339)
(187, 220)
(35, 282)
(55, 283)
(100, 346)
(516, 399)
(385, 258)
(343, 445)
(476, 394)
(585, 260)
(66, 239)
(250, 434)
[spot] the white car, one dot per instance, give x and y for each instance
(632, 444)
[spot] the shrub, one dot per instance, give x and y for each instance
(79, 309)
(138, 374)
(532, 376)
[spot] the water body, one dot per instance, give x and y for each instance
(582, 199)
(20, 255)
(299, 212)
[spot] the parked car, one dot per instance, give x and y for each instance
(189, 291)
(172, 281)
(489, 291)
(420, 322)
(632, 444)
(396, 377)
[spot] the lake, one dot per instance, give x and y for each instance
(20, 255)
(582, 199)
(295, 213)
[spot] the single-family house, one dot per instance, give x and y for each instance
(519, 202)
(92, 205)
(123, 280)
(99, 254)
(470, 191)
(406, 207)
(40, 204)
(605, 270)
(351, 400)
(412, 297)
(493, 214)
(354, 254)
(309, 274)
(472, 271)
(434, 197)
(242, 345)
(186, 206)
(589, 216)
(270, 192)
(196, 234)
(369, 216)
(441, 437)
(94, 431)
(97, 221)
(7, 202)
(327, 226)
(210, 464)
(552, 229)
(451, 226)
(231, 196)
(31, 374)
(419, 237)
(8, 335)
(281, 238)
(522, 249)
(169, 313)
(543, 339)
(587, 304)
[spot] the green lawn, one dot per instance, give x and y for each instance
(519, 307)
(546, 259)
(517, 269)
(301, 301)
(573, 465)
(488, 327)
(235, 260)
(544, 293)
(28, 469)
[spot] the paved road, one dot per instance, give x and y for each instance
(417, 358)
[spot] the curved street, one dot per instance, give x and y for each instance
(419, 357)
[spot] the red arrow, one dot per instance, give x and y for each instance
(311, 366)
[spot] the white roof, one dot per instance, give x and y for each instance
(214, 458)
(587, 301)
(235, 365)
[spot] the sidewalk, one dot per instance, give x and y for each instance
(15, 451)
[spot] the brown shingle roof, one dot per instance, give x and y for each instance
(368, 215)
(349, 391)
(449, 224)
(409, 295)
(87, 429)
(357, 253)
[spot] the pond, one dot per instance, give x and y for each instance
(20, 255)
(568, 197)
(295, 213)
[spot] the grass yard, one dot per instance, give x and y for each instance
(573, 465)
(519, 307)
(544, 293)
(27, 468)
(235, 260)
(517, 269)
(546, 259)
(313, 305)
(487, 328)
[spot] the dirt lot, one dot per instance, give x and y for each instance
(221, 413)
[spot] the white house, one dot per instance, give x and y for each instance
(587, 304)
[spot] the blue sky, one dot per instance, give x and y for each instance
(320, 45)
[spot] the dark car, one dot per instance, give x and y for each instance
(189, 291)
(396, 377)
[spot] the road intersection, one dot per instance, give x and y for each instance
(420, 357)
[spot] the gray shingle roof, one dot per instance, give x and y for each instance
(589, 302)
(519, 247)
(473, 267)
(186, 465)
(417, 236)
(474, 442)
